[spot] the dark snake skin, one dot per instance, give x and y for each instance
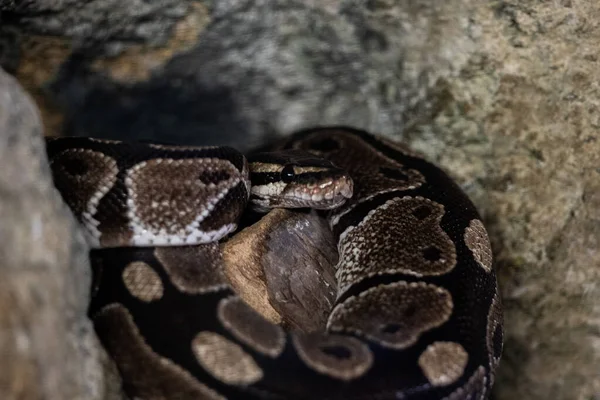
(418, 313)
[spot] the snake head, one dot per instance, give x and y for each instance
(297, 179)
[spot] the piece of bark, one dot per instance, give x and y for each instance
(283, 266)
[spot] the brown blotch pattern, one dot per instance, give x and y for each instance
(142, 281)
(443, 363)
(340, 357)
(494, 334)
(393, 315)
(474, 389)
(229, 208)
(401, 236)
(172, 197)
(477, 240)
(87, 176)
(372, 171)
(225, 360)
(193, 269)
(146, 374)
(250, 327)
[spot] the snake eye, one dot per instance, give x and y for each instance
(287, 173)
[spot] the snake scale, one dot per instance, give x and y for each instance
(417, 314)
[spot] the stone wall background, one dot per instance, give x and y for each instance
(48, 346)
(503, 94)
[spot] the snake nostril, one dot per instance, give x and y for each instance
(339, 352)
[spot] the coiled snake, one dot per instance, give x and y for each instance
(417, 315)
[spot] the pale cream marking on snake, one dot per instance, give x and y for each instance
(393, 315)
(340, 357)
(169, 210)
(420, 247)
(89, 175)
(142, 282)
(443, 363)
(266, 167)
(477, 240)
(225, 360)
(154, 377)
(250, 327)
(314, 195)
(269, 189)
(474, 389)
(194, 269)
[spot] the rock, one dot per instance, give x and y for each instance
(239, 70)
(48, 344)
(520, 133)
(502, 94)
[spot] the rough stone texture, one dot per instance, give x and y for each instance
(504, 94)
(521, 134)
(46, 342)
(259, 68)
(106, 24)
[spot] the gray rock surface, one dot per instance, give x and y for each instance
(259, 68)
(521, 134)
(503, 94)
(47, 344)
(106, 24)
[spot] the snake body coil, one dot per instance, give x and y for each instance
(417, 315)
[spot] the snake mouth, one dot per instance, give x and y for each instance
(325, 195)
(297, 179)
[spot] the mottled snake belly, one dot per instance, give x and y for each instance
(417, 313)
